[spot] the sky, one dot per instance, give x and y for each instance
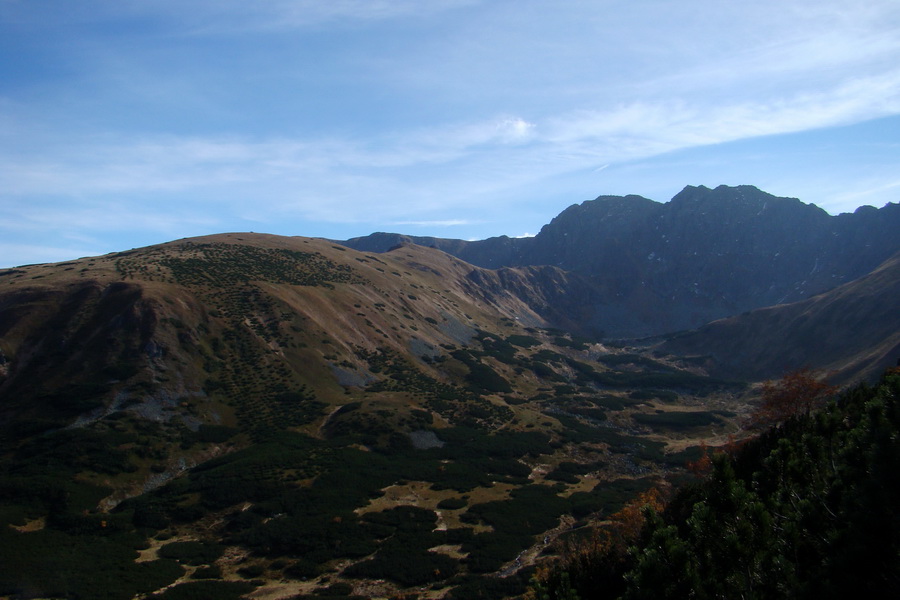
(125, 123)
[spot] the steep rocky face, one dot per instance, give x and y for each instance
(714, 253)
(558, 297)
(706, 254)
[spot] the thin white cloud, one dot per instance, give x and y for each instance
(515, 130)
(171, 163)
(874, 189)
(795, 46)
(641, 129)
(436, 223)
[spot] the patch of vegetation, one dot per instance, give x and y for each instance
(568, 472)
(575, 343)
(407, 565)
(56, 564)
(523, 341)
(215, 434)
(545, 371)
(71, 400)
(452, 503)
(486, 587)
(207, 590)
(676, 420)
(616, 403)
(481, 377)
(257, 472)
(225, 265)
(532, 509)
(577, 431)
(75, 450)
(211, 572)
(608, 497)
(663, 395)
(589, 412)
(672, 380)
(548, 356)
(453, 403)
(635, 360)
(191, 553)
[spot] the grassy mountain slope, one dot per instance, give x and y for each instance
(244, 411)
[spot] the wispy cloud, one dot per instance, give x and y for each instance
(159, 116)
(316, 177)
(646, 128)
(876, 188)
(445, 223)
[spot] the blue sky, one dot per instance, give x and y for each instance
(129, 123)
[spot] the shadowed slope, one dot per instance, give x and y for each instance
(853, 329)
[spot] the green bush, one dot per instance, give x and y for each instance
(211, 572)
(251, 571)
(215, 434)
(55, 564)
(192, 552)
(523, 341)
(676, 420)
(406, 566)
(568, 471)
(452, 503)
(302, 569)
(207, 590)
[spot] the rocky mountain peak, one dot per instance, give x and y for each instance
(708, 253)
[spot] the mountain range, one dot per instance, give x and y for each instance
(396, 415)
(655, 268)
